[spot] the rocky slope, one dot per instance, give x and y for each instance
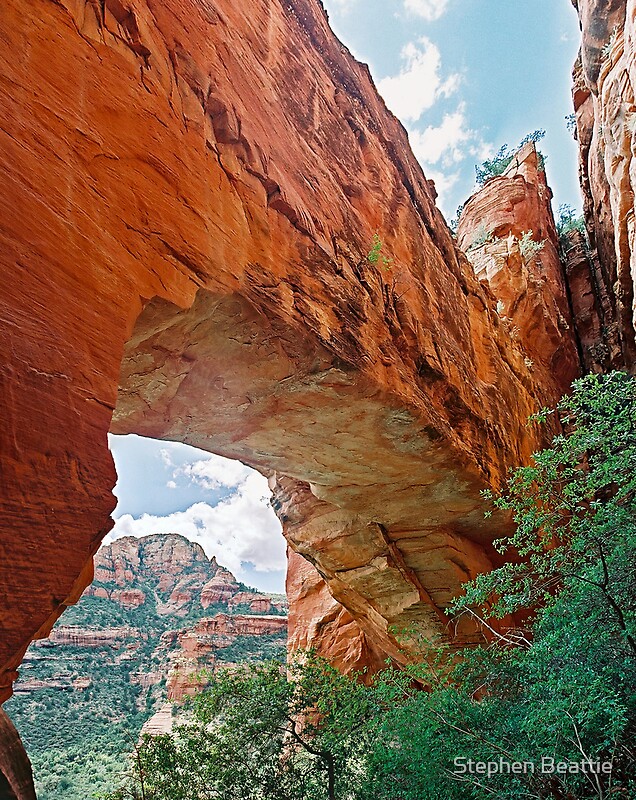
(194, 189)
(112, 665)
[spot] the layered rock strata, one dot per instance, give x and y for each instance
(170, 572)
(190, 192)
(605, 107)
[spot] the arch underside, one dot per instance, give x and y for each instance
(189, 196)
(364, 487)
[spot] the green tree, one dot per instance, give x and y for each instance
(497, 165)
(260, 732)
(560, 684)
(568, 221)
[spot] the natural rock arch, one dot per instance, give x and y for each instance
(171, 168)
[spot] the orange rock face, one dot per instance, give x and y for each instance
(16, 778)
(197, 646)
(508, 232)
(182, 577)
(189, 194)
(604, 95)
(219, 589)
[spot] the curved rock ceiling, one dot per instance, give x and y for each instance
(190, 191)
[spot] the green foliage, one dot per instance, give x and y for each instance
(609, 45)
(568, 221)
(528, 246)
(575, 512)
(260, 732)
(482, 237)
(374, 256)
(79, 738)
(454, 223)
(570, 124)
(497, 165)
(559, 687)
(246, 649)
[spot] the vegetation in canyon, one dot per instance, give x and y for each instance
(85, 693)
(497, 165)
(557, 684)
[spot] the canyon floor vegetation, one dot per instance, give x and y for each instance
(558, 685)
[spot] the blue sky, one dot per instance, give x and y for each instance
(167, 487)
(464, 76)
(482, 72)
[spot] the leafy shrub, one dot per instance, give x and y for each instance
(560, 687)
(482, 237)
(492, 167)
(568, 221)
(528, 246)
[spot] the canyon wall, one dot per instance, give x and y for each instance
(16, 778)
(604, 102)
(508, 232)
(190, 193)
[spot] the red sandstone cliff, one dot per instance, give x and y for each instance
(508, 232)
(16, 779)
(605, 106)
(171, 577)
(173, 572)
(189, 194)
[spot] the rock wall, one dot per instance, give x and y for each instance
(508, 232)
(16, 779)
(189, 195)
(604, 102)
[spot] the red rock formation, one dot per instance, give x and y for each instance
(128, 598)
(257, 603)
(220, 589)
(196, 188)
(197, 646)
(16, 778)
(605, 106)
(173, 570)
(93, 637)
(525, 275)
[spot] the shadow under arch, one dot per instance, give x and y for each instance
(364, 493)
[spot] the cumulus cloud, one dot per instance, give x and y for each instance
(215, 472)
(445, 182)
(166, 456)
(419, 83)
(240, 528)
(428, 9)
(450, 142)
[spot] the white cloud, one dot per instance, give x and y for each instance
(450, 142)
(243, 527)
(171, 485)
(444, 184)
(428, 9)
(215, 472)
(419, 83)
(166, 456)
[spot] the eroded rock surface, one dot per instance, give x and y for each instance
(508, 232)
(604, 101)
(195, 189)
(16, 779)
